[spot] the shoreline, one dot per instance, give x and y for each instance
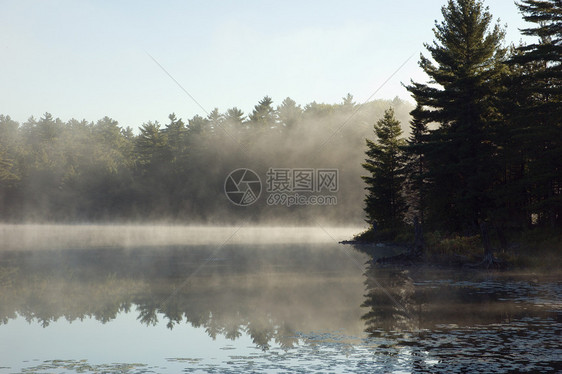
(543, 257)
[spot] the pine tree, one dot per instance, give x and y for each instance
(216, 121)
(465, 72)
(234, 118)
(264, 115)
(151, 148)
(289, 113)
(348, 103)
(415, 167)
(538, 120)
(384, 203)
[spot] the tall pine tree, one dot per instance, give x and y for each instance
(415, 168)
(465, 66)
(384, 204)
(537, 121)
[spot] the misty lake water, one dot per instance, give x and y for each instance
(170, 299)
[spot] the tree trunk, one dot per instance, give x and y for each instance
(417, 250)
(486, 240)
(489, 259)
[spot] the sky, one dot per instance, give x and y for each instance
(127, 59)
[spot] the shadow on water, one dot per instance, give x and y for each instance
(451, 321)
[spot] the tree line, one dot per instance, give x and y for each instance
(486, 133)
(52, 170)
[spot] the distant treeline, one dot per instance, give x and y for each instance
(51, 170)
(486, 135)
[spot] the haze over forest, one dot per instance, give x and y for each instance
(485, 145)
(81, 171)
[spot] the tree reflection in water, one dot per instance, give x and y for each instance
(402, 299)
(415, 319)
(271, 295)
(431, 319)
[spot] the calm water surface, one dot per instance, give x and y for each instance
(88, 299)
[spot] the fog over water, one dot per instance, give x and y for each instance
(52, 236)
(166, 299)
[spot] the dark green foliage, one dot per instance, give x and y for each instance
(484, 156)
(8, 144)
(460, 152)
(536, 122)
(486, 135)
(264, 115)
(415, 167)
(384, 204)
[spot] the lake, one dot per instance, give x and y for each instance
(169, 299)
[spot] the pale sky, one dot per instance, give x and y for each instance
(90, 59)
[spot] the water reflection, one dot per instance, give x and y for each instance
(271, 294)
(391, 299)
(302, 306)
(412, 299)
(431, 320)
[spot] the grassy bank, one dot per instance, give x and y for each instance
(539, 249)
